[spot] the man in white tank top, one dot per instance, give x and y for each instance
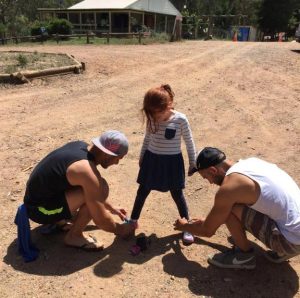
(254, 196)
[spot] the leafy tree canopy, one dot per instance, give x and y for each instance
(275, 15)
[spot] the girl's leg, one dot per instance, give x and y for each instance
(178, 197)
(140, 199)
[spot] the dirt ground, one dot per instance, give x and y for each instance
(241, 97)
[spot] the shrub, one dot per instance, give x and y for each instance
(36, 27)
(2, 30)
(19, 26)
(59, 26)
(22, 60)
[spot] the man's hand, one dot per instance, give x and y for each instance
(196, 220)
(180, 223)
(116, 211)
(193, 226)
(120, 212)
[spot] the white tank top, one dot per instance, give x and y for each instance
(279, 195)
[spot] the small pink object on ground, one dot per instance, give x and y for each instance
(135, 250)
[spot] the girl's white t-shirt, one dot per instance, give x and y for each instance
(167, 140)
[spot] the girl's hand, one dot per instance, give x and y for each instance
(120, 212)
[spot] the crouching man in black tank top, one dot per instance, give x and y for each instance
(67, 181)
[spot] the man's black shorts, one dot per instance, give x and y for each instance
(47, 210)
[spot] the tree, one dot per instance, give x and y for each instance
(16, 15)
(29, 7)
(274, 15)
(7, 10)
(195, 9)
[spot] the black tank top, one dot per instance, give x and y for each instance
(49, 177)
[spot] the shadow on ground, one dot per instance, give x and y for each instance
(280, 280)
(54, 258)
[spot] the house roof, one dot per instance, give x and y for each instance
(157, 6)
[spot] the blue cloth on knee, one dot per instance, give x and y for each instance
(25, 246)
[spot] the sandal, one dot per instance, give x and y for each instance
(88, 246)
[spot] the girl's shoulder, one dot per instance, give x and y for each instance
(179, 115)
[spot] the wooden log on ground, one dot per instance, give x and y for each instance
(52, 71)
(18, 77)
(5, 78)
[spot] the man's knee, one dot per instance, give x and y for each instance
(237, 210)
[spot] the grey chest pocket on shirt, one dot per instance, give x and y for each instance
(170, 133)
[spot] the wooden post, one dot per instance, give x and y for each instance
(80, 22)
(107, 37)
(166, 24)
(140, 37)
(173, 31)
(56, 38)
(129, 22)
(210, 26)
(110, 25)
(87, 37)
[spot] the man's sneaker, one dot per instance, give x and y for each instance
(274, 257)
(234, 258)
(187, 238)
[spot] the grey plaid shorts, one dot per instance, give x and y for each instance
(265, 229)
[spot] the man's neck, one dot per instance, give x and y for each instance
(227, 164)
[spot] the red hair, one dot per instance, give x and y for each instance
(156, 99)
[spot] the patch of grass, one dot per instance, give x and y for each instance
(22, 60)
(11, 62)
(10, 69)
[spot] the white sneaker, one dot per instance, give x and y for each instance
(187, 238)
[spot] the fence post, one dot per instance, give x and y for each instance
(56, 38)
(87, 38)
(107, 37)
(140, 37)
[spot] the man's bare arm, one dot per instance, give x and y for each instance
(216, 217)
(236, 189)
(86, 175)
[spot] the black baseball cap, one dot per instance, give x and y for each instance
(209, 157)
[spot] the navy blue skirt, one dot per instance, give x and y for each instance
(162, 172)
